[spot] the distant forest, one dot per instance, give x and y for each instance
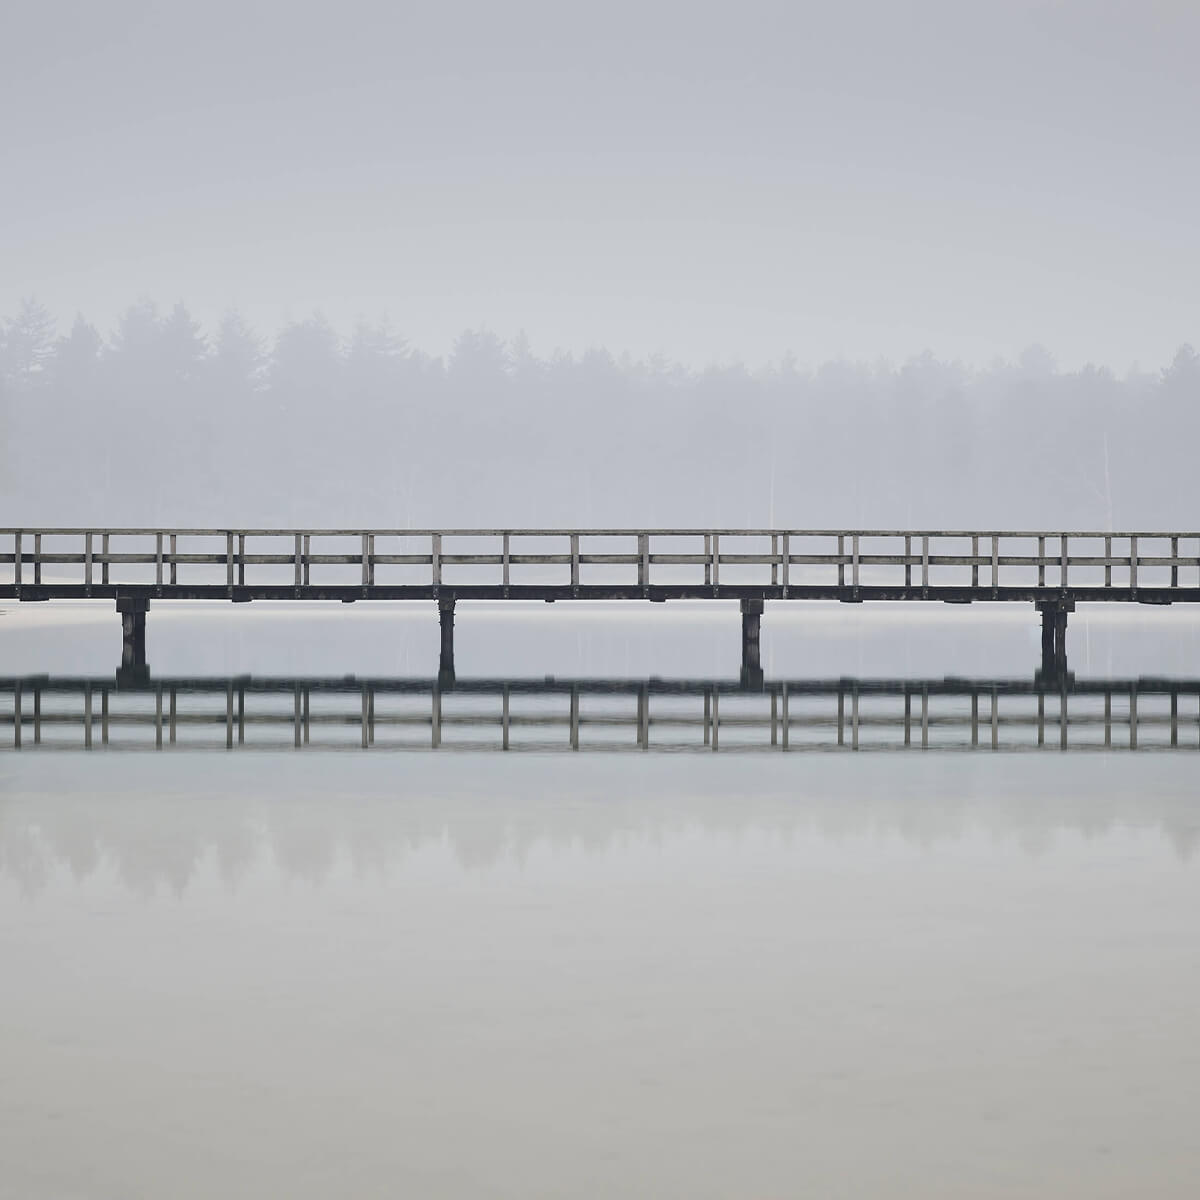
(162, 422)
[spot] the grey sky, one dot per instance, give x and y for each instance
(706, 181)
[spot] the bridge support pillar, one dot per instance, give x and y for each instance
(1054, 637)
(446, 658)
(133, 611)
(752, 675)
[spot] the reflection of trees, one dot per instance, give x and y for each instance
(157, 838)
(369, 424)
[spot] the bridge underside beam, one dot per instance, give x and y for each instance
(958, 594)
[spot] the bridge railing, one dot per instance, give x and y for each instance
(782, 559)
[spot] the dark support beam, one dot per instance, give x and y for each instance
(133, 611)
(446, 658)
(1054, 638)
(752, 675)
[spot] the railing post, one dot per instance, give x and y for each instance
(37, 558)
(1108, 560)
(644, 563)
(1063, 583)
(1174, 562)
(17, 558)
(435, 554)
(707, 560)
(505, 556)
(924, 564)
(908, 560)
(575, 565)
(87, 561)
(774, 560)
(1041, 561)
(787, 556)
(241, 560)
(716, 562)
(854, 553)
(104, 548)
(174, 564)
(975, 560)
(1133, 564)
(158, 559)
(229, 561)
(366, 560)
(298, 554)
(307, 559)
(841, 553)
(995, 563)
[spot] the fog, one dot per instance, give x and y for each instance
(545, 264)
(158, 421)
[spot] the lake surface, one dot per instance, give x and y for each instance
(561, 975)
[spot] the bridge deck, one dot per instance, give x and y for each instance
(600, 564)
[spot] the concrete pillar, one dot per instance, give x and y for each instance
(133, 611)
(752, 675)
(446, 658)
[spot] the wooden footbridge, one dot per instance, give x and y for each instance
(1054, 570)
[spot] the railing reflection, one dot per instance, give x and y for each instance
(135, 711)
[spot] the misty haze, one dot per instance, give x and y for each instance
(787, 785)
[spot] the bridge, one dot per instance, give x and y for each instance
(41, 712)
(1054, 571)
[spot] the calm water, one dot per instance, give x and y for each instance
(579, 975)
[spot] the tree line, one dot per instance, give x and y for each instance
(159, 421)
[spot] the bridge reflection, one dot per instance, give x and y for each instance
(135, 711)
